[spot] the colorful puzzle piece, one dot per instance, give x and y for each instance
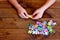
(30, 16)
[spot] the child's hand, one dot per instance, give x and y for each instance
(22, 13)
(38, 13)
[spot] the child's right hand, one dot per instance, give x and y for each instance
(22, 13)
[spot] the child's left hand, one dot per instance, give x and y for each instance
(38, 13)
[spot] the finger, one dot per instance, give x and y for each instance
(37, 17)
(35, 13)
(21, 16)
(24, 15)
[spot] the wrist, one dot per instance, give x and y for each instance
(42, 8)
(19, 7)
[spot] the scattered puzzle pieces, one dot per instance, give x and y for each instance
(44, 28)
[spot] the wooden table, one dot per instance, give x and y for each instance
(14, 28)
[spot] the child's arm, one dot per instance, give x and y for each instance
(41, 10)
(48, 4)
(22, 12)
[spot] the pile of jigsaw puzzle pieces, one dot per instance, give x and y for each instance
(44, 28)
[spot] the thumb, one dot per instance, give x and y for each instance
(26, 14)
(34, 14)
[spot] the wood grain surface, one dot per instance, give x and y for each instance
(12, 27)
